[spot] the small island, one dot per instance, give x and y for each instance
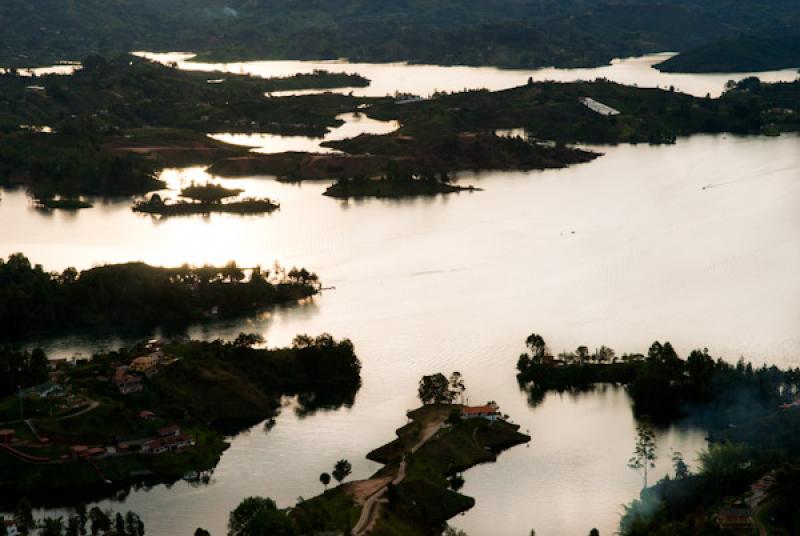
(416, 491)
(79, 430)
(206, 199)
(395, 186)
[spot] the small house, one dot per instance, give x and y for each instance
(147, 415)
(490, 412)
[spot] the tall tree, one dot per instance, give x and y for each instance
(537, 346)
(679, 465)
(342, 470)
(644, 452)
(457, 386)
(435, 389)
(258, 516)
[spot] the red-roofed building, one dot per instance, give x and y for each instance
(489, 412)
(146, 415)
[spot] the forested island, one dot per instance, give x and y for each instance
(505, 33)
(152, 412)
(135, 298)
(395, 186)
(748, 475)
(416, 491)
(206, 199)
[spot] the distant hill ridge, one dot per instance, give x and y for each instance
(507, 33)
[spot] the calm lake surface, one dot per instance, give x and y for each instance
(696, 243)
(424, 80)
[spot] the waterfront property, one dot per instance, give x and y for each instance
(490, 412)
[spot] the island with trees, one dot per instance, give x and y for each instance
(135, 298)
(81, 430)
(747, 476)
(395, 186)
(416, 491)
(206, 199)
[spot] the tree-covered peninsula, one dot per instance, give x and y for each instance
(154, 412)
(416, 491)
(135, 297)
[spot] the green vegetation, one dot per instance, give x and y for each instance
(203, 387)
(665, 387)
(206, 199)
(689, 504)
(318, 79)
(136, 297)
(20, 369)
(79, 522)
(554, 111)
(394, 187)
(753, 418)
(508, 33)
(739, 54)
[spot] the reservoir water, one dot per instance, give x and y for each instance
(424, 80)
(695, 243)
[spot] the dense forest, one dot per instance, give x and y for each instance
(135, 297)
(508, 33)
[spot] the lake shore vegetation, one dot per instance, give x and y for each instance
(136, 297)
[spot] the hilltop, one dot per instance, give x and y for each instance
(506, 33)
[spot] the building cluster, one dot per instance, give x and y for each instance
(167, 439)
(129, 377)
(740, 516)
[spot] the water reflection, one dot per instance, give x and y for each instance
(354, 125)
